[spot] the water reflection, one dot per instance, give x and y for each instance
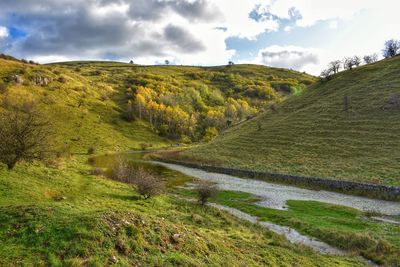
(136, 160)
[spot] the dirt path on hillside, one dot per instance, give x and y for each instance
(275, 195)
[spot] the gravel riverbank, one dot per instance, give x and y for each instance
(276, 195)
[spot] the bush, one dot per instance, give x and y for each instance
(25, 134)
(144, 146)
(210, 134)
(146, 183)
(97, 171)
(205, 190)
(120, 171)
(91, 150)
(62, 79)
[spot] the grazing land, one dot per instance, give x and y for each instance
(344, 128)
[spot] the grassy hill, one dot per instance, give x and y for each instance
(62, 215)
(186, 103)
(83, 111)
(66, 217)
(344, 128)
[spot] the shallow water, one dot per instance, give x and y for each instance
(292, 235)
(135, 160)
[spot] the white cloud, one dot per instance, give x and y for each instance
(195, 31)
(3, 32)
(291, 57)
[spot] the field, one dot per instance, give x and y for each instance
(62, 215)
(66, 217)
(344, 128)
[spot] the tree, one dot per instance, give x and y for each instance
(205, 190)
(348, 63)
(167, 62)
(147, 184)
(25, 135)
(356, 61)
(391, 49)
(335, 66)
(131, 62)
(369, 59)
(326, 74)
(231, 63)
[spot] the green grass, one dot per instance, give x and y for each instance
(312, 135)
(84, 112)
(65, 217)
(339, 226)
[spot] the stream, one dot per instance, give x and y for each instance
(275, 195)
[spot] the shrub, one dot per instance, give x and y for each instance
(62, 79)
(91, 150)
(120, 171)
(211, 133)
(146, 183)
(25, 135)
(97, 171)
(205, 190)
(144, 146)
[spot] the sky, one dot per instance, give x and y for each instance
(304, 35)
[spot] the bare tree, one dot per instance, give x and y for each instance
(147, 184)
(335, 66)
(206, 190)
(369, 59)
(357, 61)
(348, 63)
(326, 74)
(25, 135)
(391, 49)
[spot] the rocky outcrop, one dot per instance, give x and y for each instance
(41, 80)
(17, 79)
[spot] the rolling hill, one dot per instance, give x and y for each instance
(64, 215)
(344, 128)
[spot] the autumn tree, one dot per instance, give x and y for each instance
(25, 135)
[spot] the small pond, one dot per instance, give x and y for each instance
(135, 159)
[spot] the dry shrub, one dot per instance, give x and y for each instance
(25, 133)
(97, 171)
(120, 171)
(91, 150)
(205, 190)
(147, 184)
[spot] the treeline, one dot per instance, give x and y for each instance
(391, 49)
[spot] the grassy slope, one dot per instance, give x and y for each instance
(62, 216)
(312, 135)
(341, 227)
(84, 112)
(99, 221)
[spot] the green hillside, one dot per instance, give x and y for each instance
(83, 112)
(190, 104)
(62, 215)
(344, 128)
